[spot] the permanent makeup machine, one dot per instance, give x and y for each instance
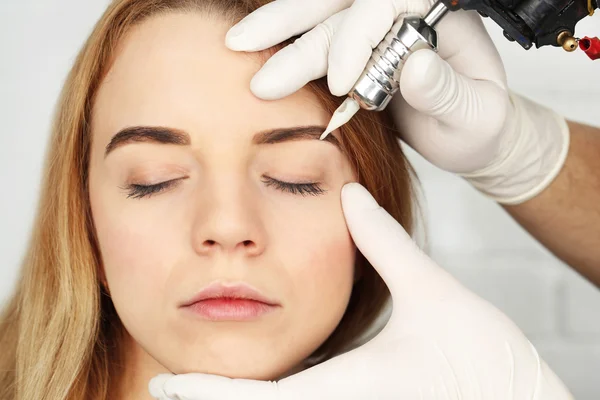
(527, 22)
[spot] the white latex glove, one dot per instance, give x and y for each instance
(455, 107)
(441, 342)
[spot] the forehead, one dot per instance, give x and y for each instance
(174, 70)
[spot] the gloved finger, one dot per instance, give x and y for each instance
(295, 65)
(279, 20)
(213, 387)
(430, 85)
(407, 271)
(156, 385)
(465, 44)
(365, 25)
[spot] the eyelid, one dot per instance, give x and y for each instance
(152, 182)
(148, 173)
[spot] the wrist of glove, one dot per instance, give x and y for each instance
(534, 149)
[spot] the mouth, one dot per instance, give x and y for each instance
(238, 302)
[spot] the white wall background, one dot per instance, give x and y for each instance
(469, 235)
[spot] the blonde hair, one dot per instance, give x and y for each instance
(60, 334)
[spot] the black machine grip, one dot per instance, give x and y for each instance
(530, 22)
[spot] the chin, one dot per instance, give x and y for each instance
(238, 359)
(237, 368)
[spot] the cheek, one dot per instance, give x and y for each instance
(327, 258)
(138, 252)
(321, 256)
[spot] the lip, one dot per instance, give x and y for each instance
(236, 302)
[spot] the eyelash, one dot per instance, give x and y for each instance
(302, 189)
(138, 191)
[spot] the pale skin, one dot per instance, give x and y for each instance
(223, 218)
(566, 216)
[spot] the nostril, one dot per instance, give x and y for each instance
(209, 242)
(248, 243)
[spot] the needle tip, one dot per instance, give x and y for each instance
(325, 134)
(342, 115)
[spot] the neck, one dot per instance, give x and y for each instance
(138, 369)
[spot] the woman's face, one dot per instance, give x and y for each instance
(231, 213)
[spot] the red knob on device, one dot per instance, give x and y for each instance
(591, 47)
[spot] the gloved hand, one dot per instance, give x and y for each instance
(455, 108)
(441, 342)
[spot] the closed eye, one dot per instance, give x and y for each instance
(138, 191)
(301, 188)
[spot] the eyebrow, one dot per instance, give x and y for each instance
(311, 132)
(165, 135)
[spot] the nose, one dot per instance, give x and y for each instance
(228, 220)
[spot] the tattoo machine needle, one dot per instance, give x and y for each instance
(380, 79)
